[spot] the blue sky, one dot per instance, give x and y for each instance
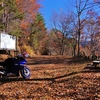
(50, 6)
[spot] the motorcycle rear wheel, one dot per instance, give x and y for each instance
(25, 72)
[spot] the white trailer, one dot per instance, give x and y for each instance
(7, 42)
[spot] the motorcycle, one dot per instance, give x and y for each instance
(14, 67)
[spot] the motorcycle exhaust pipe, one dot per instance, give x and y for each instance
(2, 73)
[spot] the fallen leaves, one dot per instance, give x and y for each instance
(52, 81)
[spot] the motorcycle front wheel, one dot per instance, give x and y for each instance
(25, 72)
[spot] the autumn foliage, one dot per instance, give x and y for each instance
(30, 9)
(54, 78)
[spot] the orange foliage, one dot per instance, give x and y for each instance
(24, 24)
(30, 9)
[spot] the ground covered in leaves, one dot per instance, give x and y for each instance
(54, 78)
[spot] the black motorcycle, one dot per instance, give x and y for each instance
(14, 66)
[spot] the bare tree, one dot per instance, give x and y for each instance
(91, 32)
(97, 1)
(81, 7)
(63, 26)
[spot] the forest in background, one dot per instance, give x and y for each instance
(73, 33)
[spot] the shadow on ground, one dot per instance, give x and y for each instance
(56, 60)
(53, 79)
